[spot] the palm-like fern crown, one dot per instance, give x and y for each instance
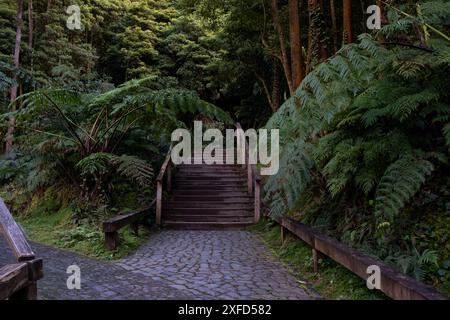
(86, 132)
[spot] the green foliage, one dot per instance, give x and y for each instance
(399, 184)
(377, 121)
(414, 264)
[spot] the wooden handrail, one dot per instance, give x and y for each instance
(18, 281)
(253, 176)
(133, 218)
(165, 165)
(14, 235)
(165, 168)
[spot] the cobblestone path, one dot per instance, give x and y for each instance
(173, 265)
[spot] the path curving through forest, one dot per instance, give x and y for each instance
(173, 264)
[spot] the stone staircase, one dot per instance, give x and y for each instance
(209, 197)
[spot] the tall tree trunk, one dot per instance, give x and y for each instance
(30, 24)
(276, 102)
(309, 53)
(281, 37)
(317, 47)
(12, 121)
(334, 29)
(348, 34)
(296, 48)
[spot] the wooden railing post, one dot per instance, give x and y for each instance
(159, 185)
(158, 202)
(315, 259)
(249, 177)
(169, 178)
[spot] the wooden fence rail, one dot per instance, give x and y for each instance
(393, 283)
(18, 280)
(253, 176)
(113, 225)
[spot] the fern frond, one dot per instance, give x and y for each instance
(399, 184)
(134, 169)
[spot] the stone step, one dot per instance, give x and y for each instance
(208, 211)
(234, 197)
(194, 212)
(210, 173)
(217, 191)
(209, 180)
(246, 205)
(207, 183)
(208, 218)
(206, 225)
(210, 166)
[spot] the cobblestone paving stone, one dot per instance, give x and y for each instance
(173, 265)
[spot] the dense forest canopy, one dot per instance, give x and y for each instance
(363, 110)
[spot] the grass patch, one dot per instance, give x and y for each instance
(56, 229)
(332, 281)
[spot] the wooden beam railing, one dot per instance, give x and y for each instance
(113, 225)
(394, 284)
(253, 176)
(166, 170)
(19, 280)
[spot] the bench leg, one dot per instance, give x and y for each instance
(111, 240)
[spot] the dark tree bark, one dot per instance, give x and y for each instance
(281, 37)
(348, 32)
(296, 49)
(334, 29)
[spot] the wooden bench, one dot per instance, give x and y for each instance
(134, 218)
(18, 280)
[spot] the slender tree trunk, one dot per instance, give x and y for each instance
(309, 53)
(276, 102)
(296, 48)
(334, 29)
(266, 90)
(281, 38)
(348, 33)
(12, 121)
